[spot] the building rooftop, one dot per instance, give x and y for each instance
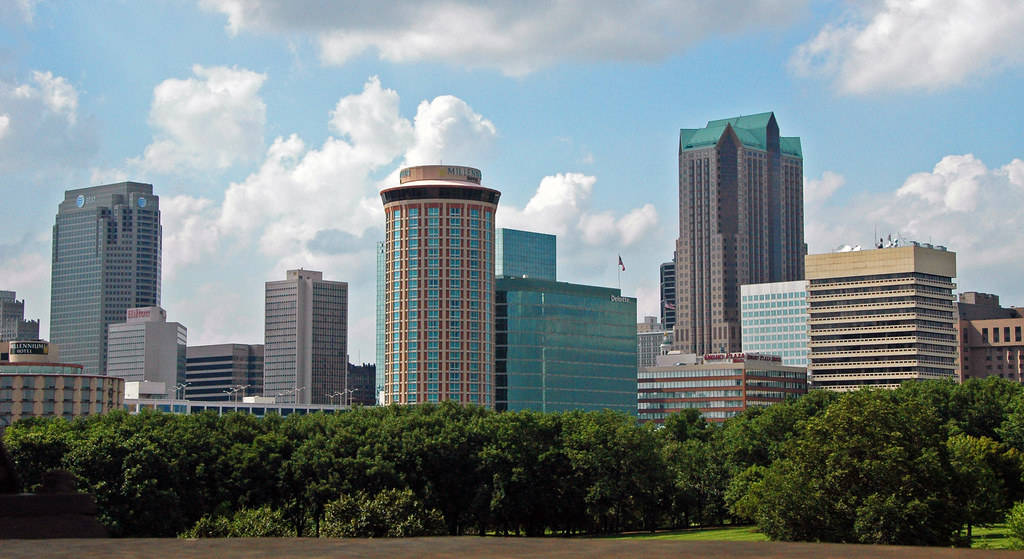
(752, 131)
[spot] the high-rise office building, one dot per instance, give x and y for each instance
(13, 325)
(147, 348)
(740, 222)
(223, 372)
(563, 346)
(439, 287)
(774, 319)
(106, 260)
(305, 353)
(524, 254)
(667, 278)
(878, 318)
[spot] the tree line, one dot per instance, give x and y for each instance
(922, 465)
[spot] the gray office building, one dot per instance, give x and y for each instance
(223, 372)
(306, 343)
(13, 325)
(106, 259)
(667, 276)
(147, 348)
(524, 254)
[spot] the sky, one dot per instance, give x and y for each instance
(267, 128)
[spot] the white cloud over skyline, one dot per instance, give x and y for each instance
(39, 118)
(895, 45)
(514, 37)
(961, 203)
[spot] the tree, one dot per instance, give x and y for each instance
(978, 488)
(392, 513)
(871, 469)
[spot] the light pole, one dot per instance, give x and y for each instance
(331, 396)
(348, 396)
(180, 387)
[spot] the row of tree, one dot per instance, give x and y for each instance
(918, 465)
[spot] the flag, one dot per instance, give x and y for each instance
(670, 306)
(621, 265)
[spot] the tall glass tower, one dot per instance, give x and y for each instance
(106, 259)
(439, 287)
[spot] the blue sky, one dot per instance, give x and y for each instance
(266, 127)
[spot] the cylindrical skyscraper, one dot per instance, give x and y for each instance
(439, 287)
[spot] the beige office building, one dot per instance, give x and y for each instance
(438, 267)
(880, 317)
(991, 342)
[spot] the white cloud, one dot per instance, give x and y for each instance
(209, 121)
(18, 11)
(40, 128)
(561, 206)
(514, 37)
(961, 203)
(190, 231)
(915, 44)
(817, 191)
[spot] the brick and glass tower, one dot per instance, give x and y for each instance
(740, 222)
(439, 287)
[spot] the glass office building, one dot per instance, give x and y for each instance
(524, 254)
(774, 320)
(382, 257)
(106, 260)
(562, 346)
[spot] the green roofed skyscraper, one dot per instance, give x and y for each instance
(740, 222)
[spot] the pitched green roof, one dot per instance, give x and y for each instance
(790, 146)
(752, 131)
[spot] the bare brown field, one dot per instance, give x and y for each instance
(465, 547)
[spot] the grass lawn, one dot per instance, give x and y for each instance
(731, 534)
(993, 537)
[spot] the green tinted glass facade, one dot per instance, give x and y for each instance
(527, 254)
(562, 346)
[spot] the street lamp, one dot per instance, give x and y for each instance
(180, 387)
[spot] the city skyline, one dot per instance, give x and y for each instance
(267, 145)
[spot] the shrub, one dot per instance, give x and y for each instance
(392, 513)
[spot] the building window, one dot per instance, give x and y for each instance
(984, 335)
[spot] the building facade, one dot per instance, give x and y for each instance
(649, 336)
(881, 317)
(147, 348)
(13, 325)
(223, 372)
(740, 222)
(439, 287)
(524, 254)
(563, 346)
(305, 356)
(774, 320)
(381, 322)
(719, 385)
(990, 338)
(667, 279)
(33, 383)
(106, 259)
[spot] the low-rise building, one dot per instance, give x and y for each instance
(990, 338)
(34, 383)
(720, 385)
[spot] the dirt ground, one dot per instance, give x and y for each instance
(466, 547)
